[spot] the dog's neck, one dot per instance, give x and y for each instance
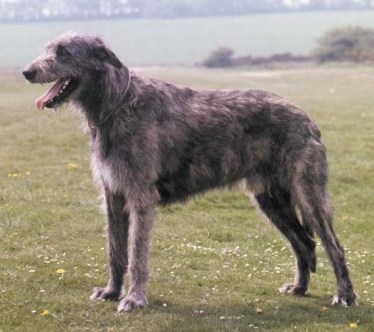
(105, 116)
(108, 96)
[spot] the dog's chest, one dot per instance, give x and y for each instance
(104, 173)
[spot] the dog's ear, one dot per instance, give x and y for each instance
(108, 56)
(62, 50)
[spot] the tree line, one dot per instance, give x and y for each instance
(346, 44)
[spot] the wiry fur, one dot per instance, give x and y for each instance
(167, 143)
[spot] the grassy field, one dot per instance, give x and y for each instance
(216, 265)
(184, 41)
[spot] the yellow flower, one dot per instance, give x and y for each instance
(13, 175)
(353, 325)
(45, 313)
(60, 271)
(72, 166)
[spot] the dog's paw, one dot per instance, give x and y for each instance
(105, 294)
(131, 302)
(293, 289)
(345, 300)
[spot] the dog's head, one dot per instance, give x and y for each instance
(69, 61)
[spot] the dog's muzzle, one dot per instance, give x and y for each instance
(29, 74)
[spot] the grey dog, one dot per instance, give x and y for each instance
(155, 143)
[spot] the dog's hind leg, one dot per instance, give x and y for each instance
(311, 196)
(315, 204)
(276, 205)
(141, 212)
(309, 230)
(117, 234)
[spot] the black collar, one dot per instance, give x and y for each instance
(117, 105)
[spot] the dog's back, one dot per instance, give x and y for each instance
(206, 139)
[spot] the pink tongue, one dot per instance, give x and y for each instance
(49, 95)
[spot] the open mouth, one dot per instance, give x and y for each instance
(58, 94)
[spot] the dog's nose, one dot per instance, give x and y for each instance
(29, 74)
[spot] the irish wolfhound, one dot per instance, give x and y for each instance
(153, 142)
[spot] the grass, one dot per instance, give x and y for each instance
(184, 41)
(215, 265)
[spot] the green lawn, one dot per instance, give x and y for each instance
(216, 266)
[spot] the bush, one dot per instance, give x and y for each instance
(272, 59)
(346, 44)
(221, 57)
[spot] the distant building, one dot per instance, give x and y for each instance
(39, 10)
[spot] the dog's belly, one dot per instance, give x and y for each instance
(191, 179)
(207, 163)
(173, 191)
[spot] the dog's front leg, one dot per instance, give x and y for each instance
(141, 214)
(117, 236)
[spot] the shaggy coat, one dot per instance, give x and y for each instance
(155, 143)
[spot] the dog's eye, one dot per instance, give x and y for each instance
(62, 51)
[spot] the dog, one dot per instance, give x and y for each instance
(156, 143)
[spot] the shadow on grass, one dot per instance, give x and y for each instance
(281, 314)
